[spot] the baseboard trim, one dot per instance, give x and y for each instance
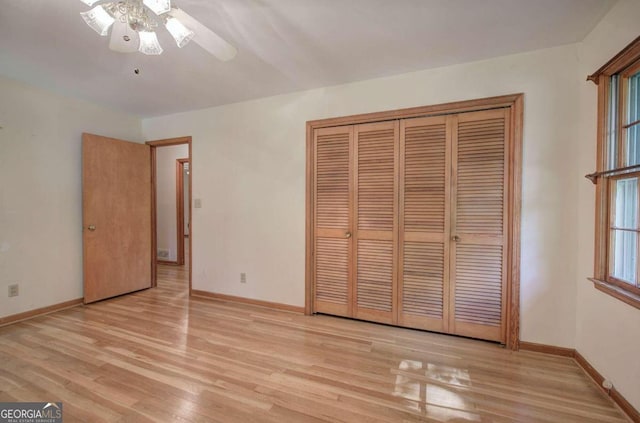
(595, 375)
(548, 349)
(234, 299)
(613, 393)
(14, 318)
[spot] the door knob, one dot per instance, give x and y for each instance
(92, 228)
(347, 235)
(456, 238)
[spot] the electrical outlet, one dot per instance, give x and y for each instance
(14, 290)
(243, 278)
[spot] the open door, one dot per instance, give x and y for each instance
(116, 203)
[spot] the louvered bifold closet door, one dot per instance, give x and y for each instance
(424, 223)
(333, 152)
(376, 210)
(479, 227)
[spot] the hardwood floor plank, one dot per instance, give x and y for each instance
(160, 356)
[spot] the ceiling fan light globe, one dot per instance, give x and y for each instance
(149, 43)
(179, 32)
(158, 6)
(98, 19)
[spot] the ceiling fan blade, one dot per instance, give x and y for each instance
(120, 32)
(205, 38)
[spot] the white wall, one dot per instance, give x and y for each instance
(41, 216)
(249, 171)
(166, 197)
(607, 329)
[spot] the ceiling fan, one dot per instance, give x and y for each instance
(133, 24)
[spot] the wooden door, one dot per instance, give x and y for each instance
(116, 198)
(333, 200)
(412, 222)
(376, 226)
(425, 162)
(479, 224)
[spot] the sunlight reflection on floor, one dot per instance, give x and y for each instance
(423, 388)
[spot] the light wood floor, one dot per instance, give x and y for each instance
(159, 356)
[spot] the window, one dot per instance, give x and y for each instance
(617, 268)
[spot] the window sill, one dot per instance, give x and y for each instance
(617, 292)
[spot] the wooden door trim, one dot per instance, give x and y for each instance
(434, 110)
(180, 209)
(154, 222)
(154, 237)
(170, 141)
(514, 216)
(516, 103)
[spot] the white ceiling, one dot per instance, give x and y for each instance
(284, 46)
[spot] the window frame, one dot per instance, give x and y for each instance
(625, 64)
(621, 126)
(611, 227)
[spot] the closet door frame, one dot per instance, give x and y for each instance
(514, 188)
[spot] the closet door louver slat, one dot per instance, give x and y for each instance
(424, 223)
(376, 155)
(333, 204)
(375, 275)
(478, 281)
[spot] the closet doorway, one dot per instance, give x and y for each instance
(413, 217)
